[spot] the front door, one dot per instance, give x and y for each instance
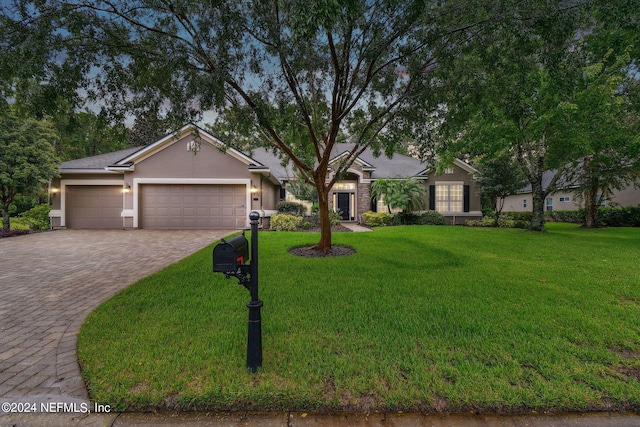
(343, 205)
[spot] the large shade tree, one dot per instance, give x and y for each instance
(607, 133)
(511, 96)
(295, 76)
(536, 92)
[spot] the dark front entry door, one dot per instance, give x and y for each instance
(343, 205)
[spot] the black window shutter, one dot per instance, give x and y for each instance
(374, 204)
(432, 197)
(465, 201)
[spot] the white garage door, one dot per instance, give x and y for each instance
(93, 206)
(192, 206)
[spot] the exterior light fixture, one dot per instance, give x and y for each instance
(55, 190)
(126, 188)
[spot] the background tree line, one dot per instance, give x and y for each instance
(548, 84)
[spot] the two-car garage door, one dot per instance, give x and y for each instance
(187, 206)
(165, 206)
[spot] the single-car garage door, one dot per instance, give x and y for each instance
(93, 206)
(192, 206)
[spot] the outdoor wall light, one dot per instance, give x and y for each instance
(55, 190)
(254, 190)
(126, 188)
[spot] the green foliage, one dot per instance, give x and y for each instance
(301, 190)
(406, 194)
(285, 222)
(628, 216)
(518, 216)
(376, 219)
(499, 177)
(432, 218)
(27, 157)
(575, 217)
(291, 208)
(335, 218)
(502, 223)
(37, 218)
(425, 218)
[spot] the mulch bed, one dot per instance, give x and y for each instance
(312, 252)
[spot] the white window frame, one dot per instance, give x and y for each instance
(448, 201)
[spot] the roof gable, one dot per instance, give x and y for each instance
(200, 136)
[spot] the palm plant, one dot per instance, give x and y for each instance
(406, 194)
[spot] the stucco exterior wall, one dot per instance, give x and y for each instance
(630, 196)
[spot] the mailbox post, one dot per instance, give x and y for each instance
(230, 257)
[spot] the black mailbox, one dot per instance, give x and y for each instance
(228, 255)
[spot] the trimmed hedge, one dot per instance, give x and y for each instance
(285, 222)
(376, 219)
(627, 216)
(291, 208)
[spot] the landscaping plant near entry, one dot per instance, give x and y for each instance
(419, 318)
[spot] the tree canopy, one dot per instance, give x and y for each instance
(521, 90)
(292, 75)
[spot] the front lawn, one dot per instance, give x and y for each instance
(420, 318)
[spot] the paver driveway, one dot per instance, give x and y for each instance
(50, 282)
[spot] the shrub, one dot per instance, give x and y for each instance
(335, 217)
(285, 222)
(432, 218)
(484, 222)
(376, 219)
(291, 208)
(518, 216)
(628, 216)
(502, 223)
(404, 218)
(37, 218)
(576, 217)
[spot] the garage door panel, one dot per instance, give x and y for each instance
(192, 206)
(93, 206)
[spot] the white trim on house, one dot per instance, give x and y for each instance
(61, 213)
(196, 181)
(462, 165)
(365, 165)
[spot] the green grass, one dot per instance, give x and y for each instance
(420, 318)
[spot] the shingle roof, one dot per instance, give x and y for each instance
(399, 166)
(100, 161)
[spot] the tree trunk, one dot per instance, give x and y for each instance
(325, 223)
(590, 210)
(590, 203)
(538, 195)
(498, 209)
(6, 221)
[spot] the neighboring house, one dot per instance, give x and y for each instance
(565, 199)
(191, 180)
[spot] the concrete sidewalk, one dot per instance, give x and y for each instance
(298, 419)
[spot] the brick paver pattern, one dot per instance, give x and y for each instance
(50, 282)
